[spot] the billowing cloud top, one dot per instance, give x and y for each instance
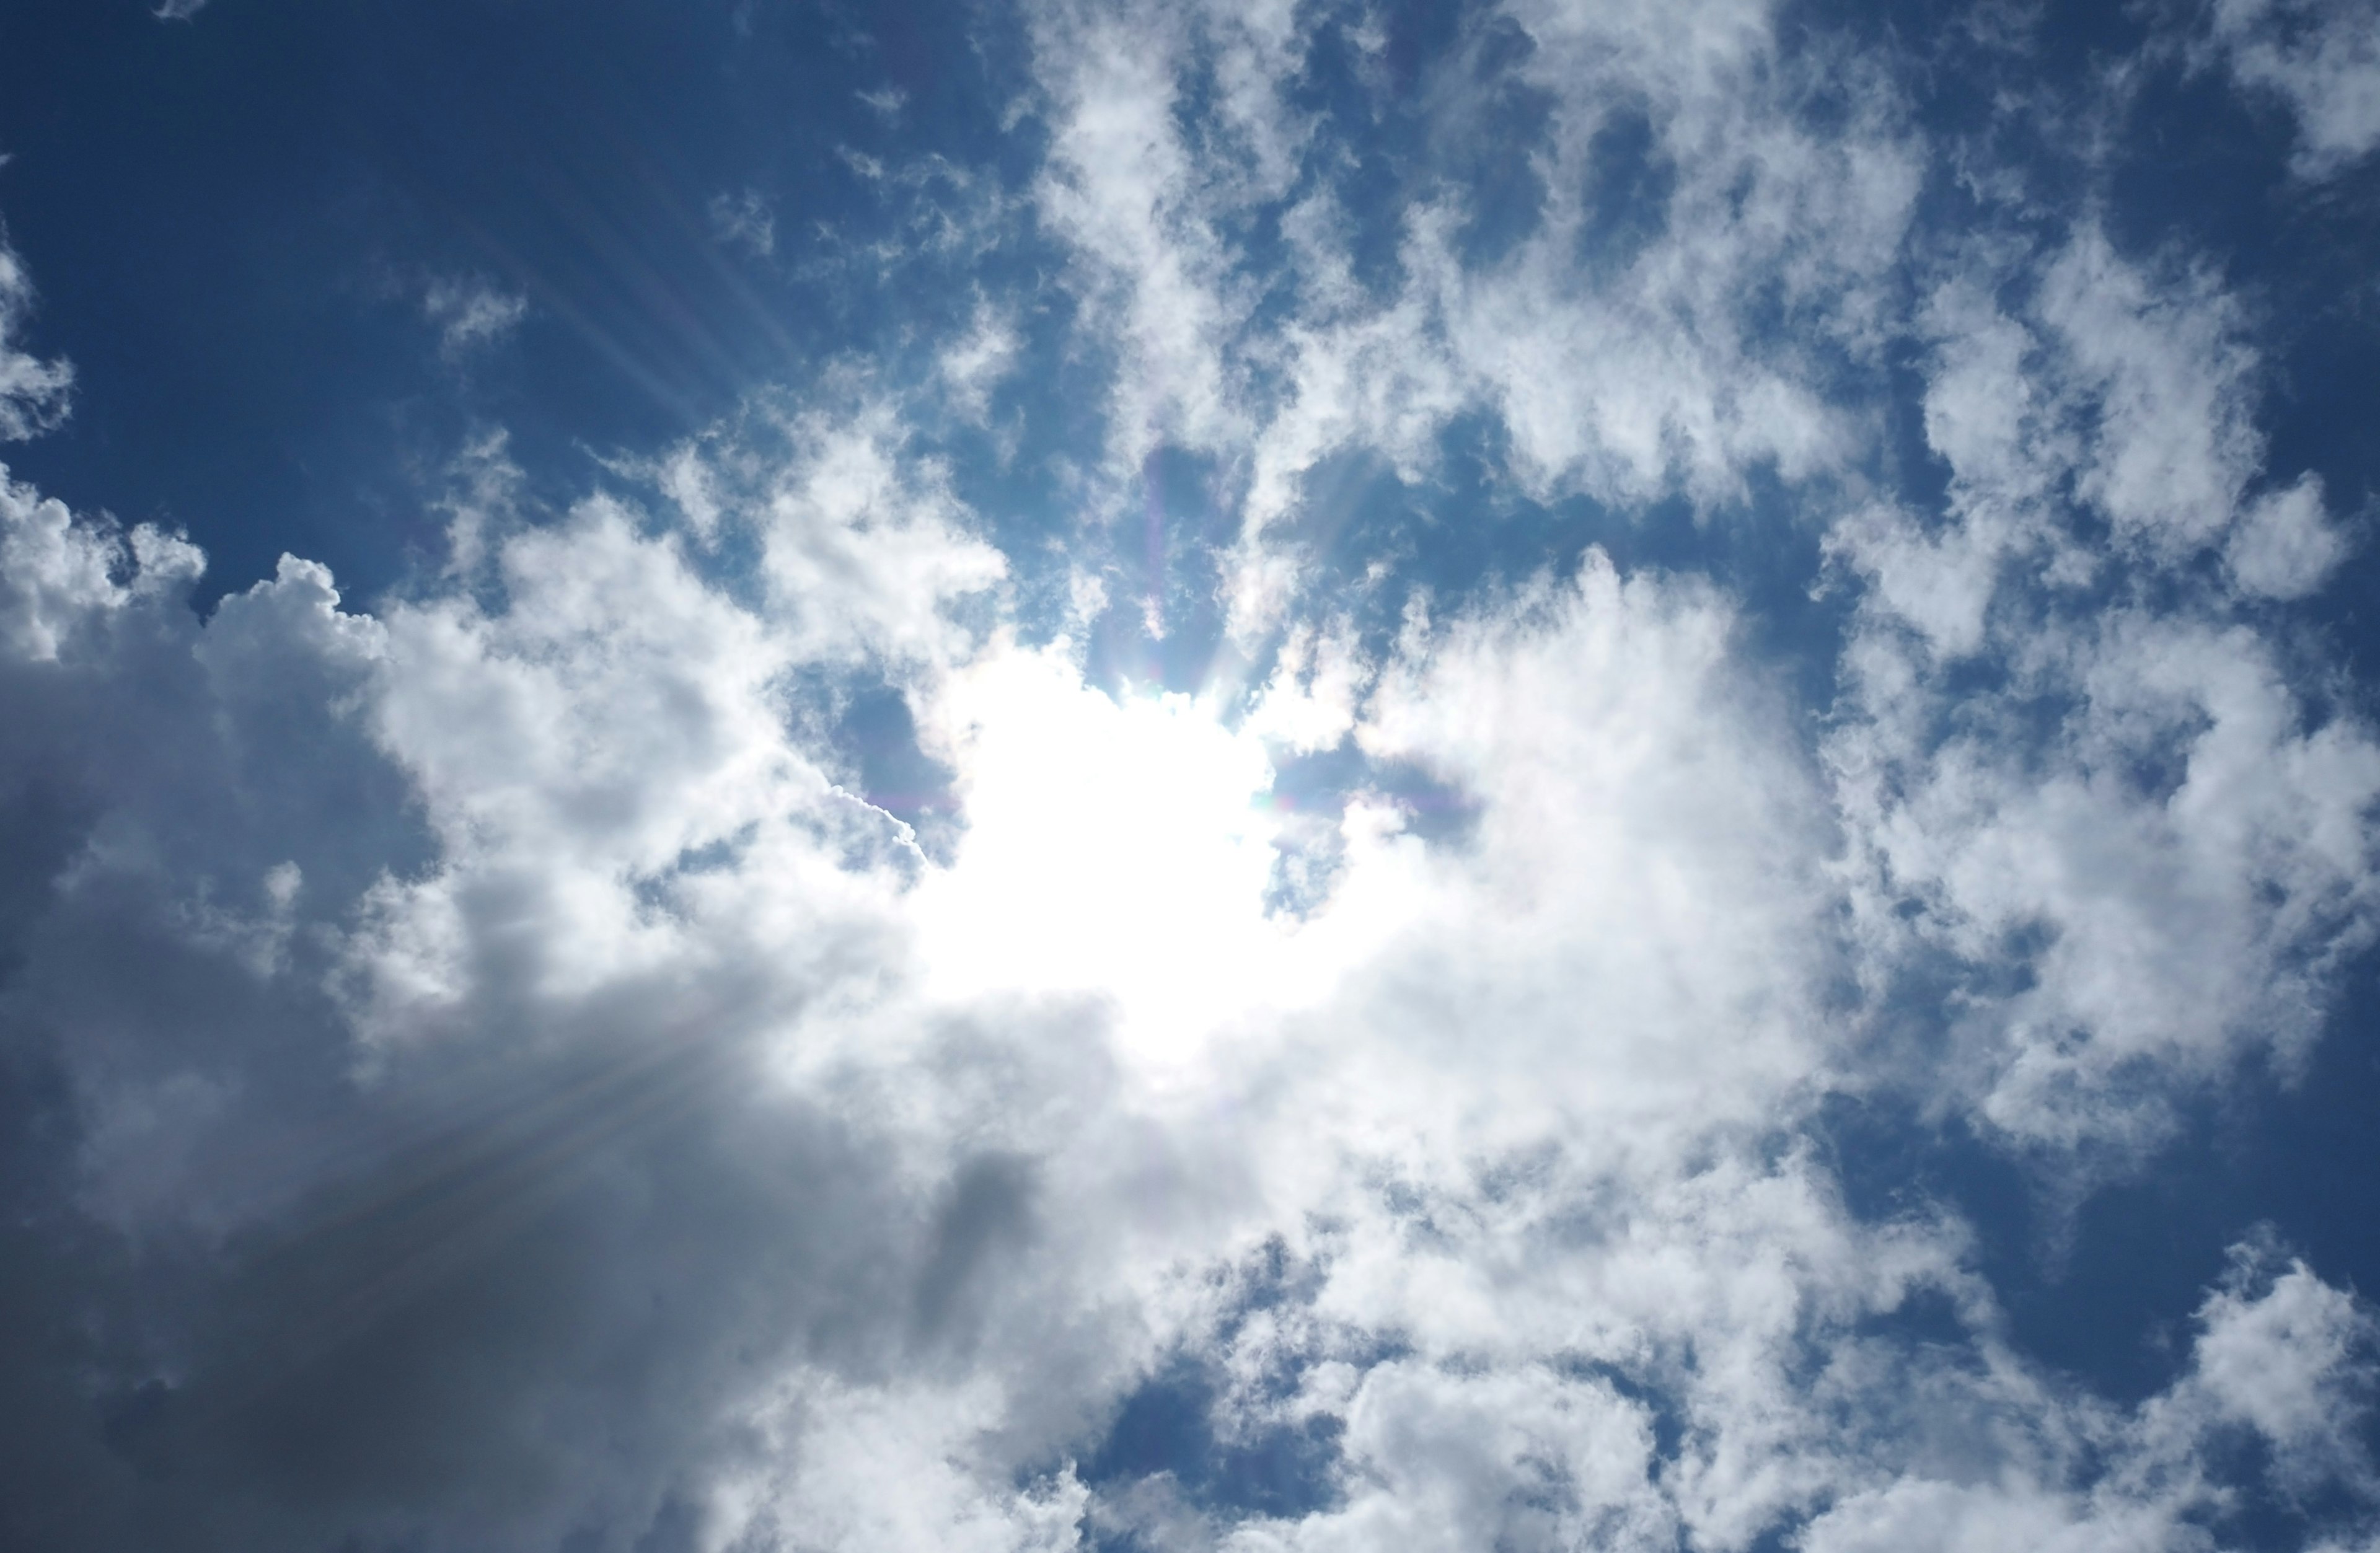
(1268, 778)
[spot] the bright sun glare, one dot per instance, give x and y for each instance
(1115, 846)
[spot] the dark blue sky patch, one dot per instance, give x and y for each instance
(1490, 150)
(1926, 1317)
(1626, 201)
(1353, 510)
(1163, 625)
(1369, 145)
(244, 299)
(1309, 798)
(1323, 781)
(1229, 1469)
(1462, 533)
(876, 731)
(2263, 1511)
(2105, 1288)
(1907, 463)
(1464, 537)
(1661, 1410)
(2206, 170)
(1168, 1426)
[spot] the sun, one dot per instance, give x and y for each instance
(1118, 847)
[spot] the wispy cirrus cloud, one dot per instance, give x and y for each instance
(470, 314)
(744, 220)
(34, 394)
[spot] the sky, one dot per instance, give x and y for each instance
(1242, 776)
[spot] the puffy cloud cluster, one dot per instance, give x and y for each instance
(409, 1005)
(2134, 816)
(534, 1117)
(504, 1069)
(1669, 265)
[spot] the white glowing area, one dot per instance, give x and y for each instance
(1115, 847)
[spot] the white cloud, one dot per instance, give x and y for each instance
(33, 393)
(1124, 189)
(2286, 545)
(2172, 870)
(2289, 1361)
(636, 980)
(1630, 778)
(2321, 59)
(511, 848)
(501, 1005)
(744, 220)
(61, 574)
(865, 546)
(470, 314)
(2162, 370)
(2145, 823)
(1637, 372)
(978, 363)
(2292, 1359)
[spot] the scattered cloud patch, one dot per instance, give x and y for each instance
(470, 314)
(975, 365)
(744, 220)
(2322, 61)
(34, 394)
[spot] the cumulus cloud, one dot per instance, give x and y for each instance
(2286, 545)
(620, 986)
(1657, 188)
(508, 1067)
(2145, 817)
(2288, 1362)
(614, 1050)
(438, 921)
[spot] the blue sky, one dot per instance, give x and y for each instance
(1221, 777)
